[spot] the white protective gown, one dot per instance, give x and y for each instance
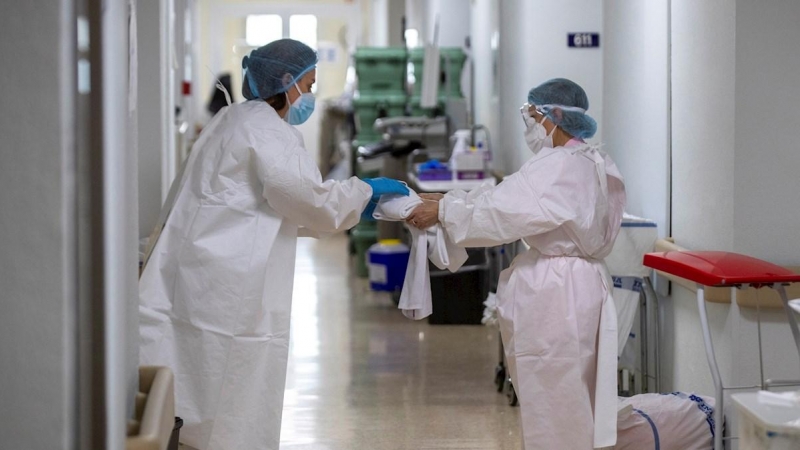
(216, 294)
(556, 314)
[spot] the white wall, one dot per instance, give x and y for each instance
(454, 20)
(37, 265)
(533, 49)
(767, 180)
(415, 16)
(120, 253)
(385, 27)
(702, 141)
(157, 157)
(379, 25)
(635, 103)
(68, 265)
(703, 105)
(396, 12)
(484, 24)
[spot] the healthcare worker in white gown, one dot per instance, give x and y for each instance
(215, 296)
(556, 314)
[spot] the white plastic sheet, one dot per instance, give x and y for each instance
(676, 421)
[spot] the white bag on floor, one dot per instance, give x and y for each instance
(674, 421)
(490, 310)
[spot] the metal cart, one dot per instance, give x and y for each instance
(504, 255)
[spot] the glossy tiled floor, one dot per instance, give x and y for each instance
(362, 376)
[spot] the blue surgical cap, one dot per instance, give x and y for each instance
(275, 67)
(571, 99)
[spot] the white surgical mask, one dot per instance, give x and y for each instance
(536, 135)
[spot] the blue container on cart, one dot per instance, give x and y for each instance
(388, 260)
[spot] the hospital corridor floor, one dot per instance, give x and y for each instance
(362, 376)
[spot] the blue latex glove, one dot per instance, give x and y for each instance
(384, 186)
(366, 215)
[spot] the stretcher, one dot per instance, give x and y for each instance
(714, 269)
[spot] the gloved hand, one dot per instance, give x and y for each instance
(383, 186)
(367, 213)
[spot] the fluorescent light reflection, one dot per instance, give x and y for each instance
(305, 327)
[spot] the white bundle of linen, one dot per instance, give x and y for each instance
(432, 244)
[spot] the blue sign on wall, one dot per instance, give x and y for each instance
(583, 40)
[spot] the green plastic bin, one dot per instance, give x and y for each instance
(451, 64)
(369, 108)
(381, 70)
(363, 236)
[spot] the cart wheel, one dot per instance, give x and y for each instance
(500, 377)
(511, 393)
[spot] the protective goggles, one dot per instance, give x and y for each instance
(526, 107)
(543, 110)
(525, 111)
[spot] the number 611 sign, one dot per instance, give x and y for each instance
(583, 40)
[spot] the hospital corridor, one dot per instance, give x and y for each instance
(360, 377)
(400, 225)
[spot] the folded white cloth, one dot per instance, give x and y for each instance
(442, 252)
(433, 243)
(395, 208)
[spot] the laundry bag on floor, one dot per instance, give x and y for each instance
(675, 421)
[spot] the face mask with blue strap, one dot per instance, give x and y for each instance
(300, 110)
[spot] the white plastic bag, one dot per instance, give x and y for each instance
(490, 310)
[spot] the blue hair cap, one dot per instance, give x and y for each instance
(568, 97)
(275, 67)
